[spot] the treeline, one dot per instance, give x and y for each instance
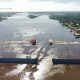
(70, 20)
(7, 14)
(4, 15)
(32, 16)
(66, 18)
(1, 18)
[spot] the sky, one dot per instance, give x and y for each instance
(39, 5)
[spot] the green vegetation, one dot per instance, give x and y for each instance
(71, 21)
(7, 14)
(4, 15)
(1, 18)
(32, 16)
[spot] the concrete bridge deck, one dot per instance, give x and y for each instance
(28, 42)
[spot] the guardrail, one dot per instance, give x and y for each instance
(19, 60)
(66, 61)
(35, 61)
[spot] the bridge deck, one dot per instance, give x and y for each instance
(27, 42)
(35, 61)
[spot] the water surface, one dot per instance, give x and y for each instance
(20, 27)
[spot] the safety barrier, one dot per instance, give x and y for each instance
(35, 61)
(19, 60)
(66, 61)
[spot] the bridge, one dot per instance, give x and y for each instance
(28, 42)
(35, 60)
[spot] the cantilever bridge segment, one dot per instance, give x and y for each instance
(28, 42)
(35, 60)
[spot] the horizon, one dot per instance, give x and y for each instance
(38, 11)
(39, 5)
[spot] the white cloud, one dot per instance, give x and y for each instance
(28, 5)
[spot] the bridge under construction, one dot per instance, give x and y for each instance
(35, 60)
(28, 42)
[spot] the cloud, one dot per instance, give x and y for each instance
(6, 0)
(29, 5)
(59, 1)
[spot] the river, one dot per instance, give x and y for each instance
(20, 27)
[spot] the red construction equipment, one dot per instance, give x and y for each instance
(33, 41)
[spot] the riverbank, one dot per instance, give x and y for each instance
(69, 20)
